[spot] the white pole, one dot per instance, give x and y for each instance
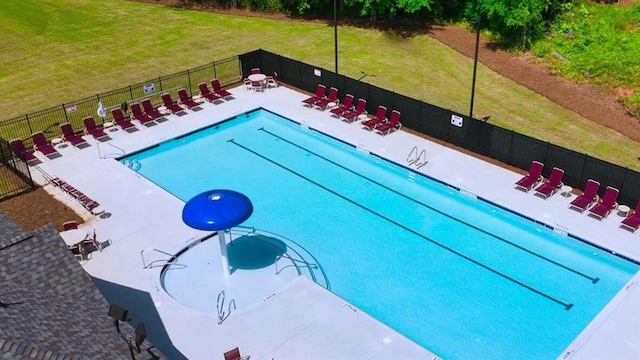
(223, 252)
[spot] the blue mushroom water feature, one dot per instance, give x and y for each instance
(217, 210)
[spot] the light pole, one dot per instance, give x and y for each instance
(335, 31)
(475, 66)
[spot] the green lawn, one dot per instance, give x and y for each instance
(56, 51)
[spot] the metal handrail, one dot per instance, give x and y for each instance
(170, 261)
(410, 160)
(306, 264)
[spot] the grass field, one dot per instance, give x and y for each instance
(56, 51)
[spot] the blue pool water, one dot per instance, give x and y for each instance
(459, 276)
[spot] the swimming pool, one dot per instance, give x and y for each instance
(457, 275)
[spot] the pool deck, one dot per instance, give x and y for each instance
(297, 319)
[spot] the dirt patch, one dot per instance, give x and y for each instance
(36, 209)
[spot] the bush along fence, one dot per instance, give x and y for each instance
(475, 135)
(478, 136)
(15, 178)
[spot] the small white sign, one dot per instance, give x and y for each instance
(317, 72)
(149, 88)
(456, 120)
(72, 108)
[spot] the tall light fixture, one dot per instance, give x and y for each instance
(335, 30)
(475, 66)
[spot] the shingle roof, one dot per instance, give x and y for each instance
(54, 309)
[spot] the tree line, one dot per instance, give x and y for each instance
(516, 22)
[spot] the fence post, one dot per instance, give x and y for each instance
(130, 92)
(29, 123)
(215, 73)
(160, 82)
(64, 110)
(189, 79)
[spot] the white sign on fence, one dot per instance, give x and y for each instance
(149, 88)
(456, 120)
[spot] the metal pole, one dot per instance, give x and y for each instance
(475, 67)
(335, 31)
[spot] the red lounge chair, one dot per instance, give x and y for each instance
(69, 135)
(91, 129)
(632, 222)
(391, 126)
(41, 144)
(602, 209)
(272, 81)
(171, 105)
(532, 178)
(381, 118)
(207, 94)
(318, 96)
(353, 115)
(551, 186)
(152, 111)
(332, 99)
(143, 118)
(589, 197)
(27, 155)
(121, 122)
(215, 84)
(347, 105)
(234, 354)
(69, 225)
(186, 100)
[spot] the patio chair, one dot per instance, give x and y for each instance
(532, 179)
(632, 222)
(152, 111)
(588, 197)
(353, 115)
(69, 135)
(379, 119)
(122, 122)
(187, 101)
(604, 207)
(234, 354)
(318, 96)
(171, 105)
(330, 100)
(255, 71)
(144, 118)
(69, 225)
(41, 144)
(272, 81)
(27, 155)
(391, 126)
(91, 129)
(552, 185)
(91, 243)
(208, 95)
(217, 88)
(347, 105)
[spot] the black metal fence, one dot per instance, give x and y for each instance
(15, 178)
(478, 136)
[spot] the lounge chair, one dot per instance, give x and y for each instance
(391, 126)
(330, 100)
(353, 115)
(379, 119)
(347, 105)
(41, 144)
(144, 118)
(318, 96)
(234, 354)
(122, 122)
(171, 105)
(272, 81)
(152, 111)
(187, 101)
(632, 222)
(532, 178)
(552, 185)
(69, 225)
(226, 95)
(27, 155)
(257, 85)
(91, 129)
(588, 197)
(207, 94)
(69, 135)
(602, 209)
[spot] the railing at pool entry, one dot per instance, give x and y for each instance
(301, 260)
(171, 260)
(118, 152)
(222, 315)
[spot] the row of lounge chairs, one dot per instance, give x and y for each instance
(588, 201)
(86, 202)
(349, 113)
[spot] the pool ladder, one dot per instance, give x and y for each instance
(222, 315)
(419, 159)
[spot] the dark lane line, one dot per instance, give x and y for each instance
(592, 279)
(567, 306)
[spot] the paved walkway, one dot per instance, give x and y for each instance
(297, 319)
